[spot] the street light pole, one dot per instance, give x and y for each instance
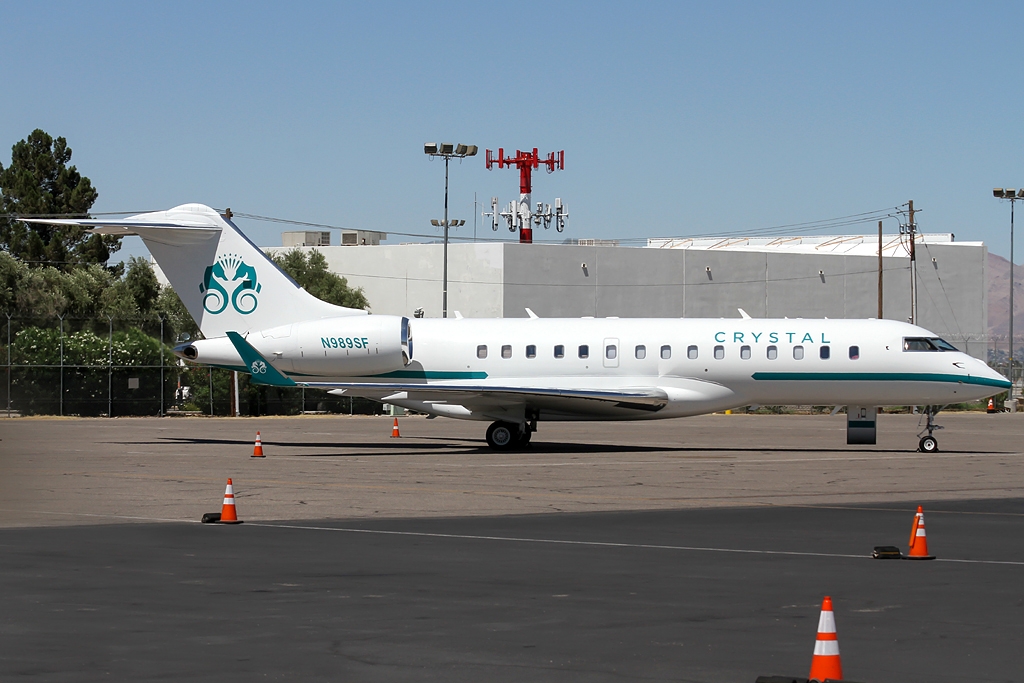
(1013, 196)
(448, 151)
(444, 283)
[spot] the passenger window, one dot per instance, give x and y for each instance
(506, 351)
(584, 351)
(798, 353)
(481, 351)
(691, 352)
(666, 352)
(559, 351)
(719, 352)
(824, 352)
(854, 352)
(641, 352)
(531, 351)
(773, 352)
(745, 352)
(610, 351)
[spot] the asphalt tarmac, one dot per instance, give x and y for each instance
(692, 550)
(89, 471)
(691, 595)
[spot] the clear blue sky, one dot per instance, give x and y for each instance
(676, 118)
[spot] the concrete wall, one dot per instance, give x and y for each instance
(397, 279)
(503, 279)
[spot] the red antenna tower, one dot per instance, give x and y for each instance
(519, 215)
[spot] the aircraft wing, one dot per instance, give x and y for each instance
(637, 398)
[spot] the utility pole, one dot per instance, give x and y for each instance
(912, 229)
(879, 270)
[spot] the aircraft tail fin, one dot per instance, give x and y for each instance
(225, 281)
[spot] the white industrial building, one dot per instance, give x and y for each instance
(795, 277)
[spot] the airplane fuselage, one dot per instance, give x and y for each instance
(695, 365)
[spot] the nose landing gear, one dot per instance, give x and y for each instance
(929, 444)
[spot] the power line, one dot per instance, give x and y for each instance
(827, 224)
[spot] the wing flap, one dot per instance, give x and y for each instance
(649, 397)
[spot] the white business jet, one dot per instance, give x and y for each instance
(516, 373)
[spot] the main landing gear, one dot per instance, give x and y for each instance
(503, 436)
(929, 444)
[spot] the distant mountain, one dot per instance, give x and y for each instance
(999, 298)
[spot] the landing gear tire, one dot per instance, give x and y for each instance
(524, 438)
(501, 436)
(928, 444)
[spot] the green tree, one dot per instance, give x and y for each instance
(40, 182)
(309, 269)
(178, 321)
(142, 284)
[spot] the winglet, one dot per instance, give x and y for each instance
(743, 314)
(261, 371)
(531, 314)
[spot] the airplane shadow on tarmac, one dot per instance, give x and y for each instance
(539, 448)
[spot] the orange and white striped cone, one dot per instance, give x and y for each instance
(991, 406)
(394, 430)
(227, 510)
(826, 663)
(257, 451)
(918, 539)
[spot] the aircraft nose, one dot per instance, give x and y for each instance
(993, 378)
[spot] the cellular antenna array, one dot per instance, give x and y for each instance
(520, 215)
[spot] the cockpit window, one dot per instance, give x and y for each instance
(927, 344)
(917, 344)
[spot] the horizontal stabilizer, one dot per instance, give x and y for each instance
(261, 370)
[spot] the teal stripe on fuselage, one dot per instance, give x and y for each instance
(397, 374)
(879, 377)
(430, 374)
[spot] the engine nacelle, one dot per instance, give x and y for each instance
(350, 346)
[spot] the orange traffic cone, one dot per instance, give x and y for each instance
(918, 539)
(826, 663)
(394, 430)
(227, 510)
(257, 452)
(991, 406)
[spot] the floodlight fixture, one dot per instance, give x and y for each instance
(997, 192)
(447, 150)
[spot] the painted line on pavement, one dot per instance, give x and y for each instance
(599, 544)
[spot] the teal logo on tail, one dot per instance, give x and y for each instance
(230, 271)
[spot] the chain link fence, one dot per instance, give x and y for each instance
(115, 367)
